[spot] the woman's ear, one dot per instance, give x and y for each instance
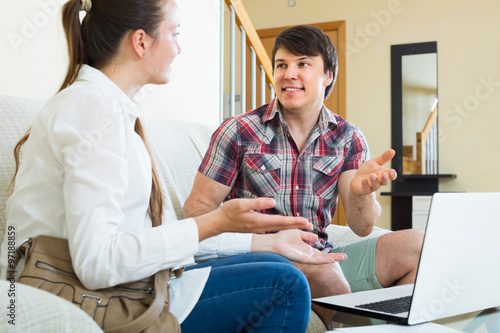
(140, 42)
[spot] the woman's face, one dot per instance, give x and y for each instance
(166, 47)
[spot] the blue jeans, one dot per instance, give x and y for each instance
(257, 292)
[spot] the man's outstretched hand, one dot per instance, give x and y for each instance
(372, 174)
(292, 245)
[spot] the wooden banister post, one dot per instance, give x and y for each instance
(253, 38)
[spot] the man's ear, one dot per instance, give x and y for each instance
(328, 78)
(140, 42)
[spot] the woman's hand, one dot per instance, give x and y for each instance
(291, 244)
(239, 215)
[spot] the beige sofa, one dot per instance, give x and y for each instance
(178, 148)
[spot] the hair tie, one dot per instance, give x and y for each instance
(86, 5)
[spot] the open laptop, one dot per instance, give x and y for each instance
(459, 266)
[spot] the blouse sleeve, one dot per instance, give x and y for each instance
(89, 136)
(224, 245)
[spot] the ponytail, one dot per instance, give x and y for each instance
(17, 157)
(156, 197)
(73, 31)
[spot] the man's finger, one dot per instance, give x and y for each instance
(339, 256)
(385, 178)
(325, 258)
(308, 236)
(385, 157)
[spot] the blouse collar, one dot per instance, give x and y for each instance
(95, 76)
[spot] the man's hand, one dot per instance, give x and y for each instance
(291, 244)
(372, 174)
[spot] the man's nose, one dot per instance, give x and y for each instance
(291, 73)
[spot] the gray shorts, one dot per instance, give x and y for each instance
(359, 267)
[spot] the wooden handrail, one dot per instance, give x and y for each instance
(430, 122)
(253, 38)
(422, 139)
(420, 154)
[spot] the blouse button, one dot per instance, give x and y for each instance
(263, 167)
(297, 187)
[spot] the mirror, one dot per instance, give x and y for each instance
(419, 80)
(415, 108)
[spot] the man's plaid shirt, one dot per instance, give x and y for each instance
(255, 155)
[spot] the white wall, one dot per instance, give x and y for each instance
(33, 59)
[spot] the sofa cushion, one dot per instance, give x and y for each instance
(177, 149)
(16, 116)
(35, 310)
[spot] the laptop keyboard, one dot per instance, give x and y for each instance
(395, 305)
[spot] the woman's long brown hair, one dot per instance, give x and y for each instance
(95, 42)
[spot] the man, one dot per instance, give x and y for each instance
(299, 153)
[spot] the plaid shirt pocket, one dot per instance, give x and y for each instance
(262, 174)
(325, 175)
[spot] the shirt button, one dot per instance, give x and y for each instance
(263, 167)
(298, 214)
(297, 187)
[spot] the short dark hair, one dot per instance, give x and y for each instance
(310, 41)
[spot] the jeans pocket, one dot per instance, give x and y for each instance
(262, 174)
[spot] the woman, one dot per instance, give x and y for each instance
(87, 176)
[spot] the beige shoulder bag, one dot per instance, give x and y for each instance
(141, 306)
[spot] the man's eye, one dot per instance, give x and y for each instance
(304, 64)
(280, 66)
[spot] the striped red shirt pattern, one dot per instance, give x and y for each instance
(255, 155)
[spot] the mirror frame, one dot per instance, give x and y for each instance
(406, 186)
(397, 53)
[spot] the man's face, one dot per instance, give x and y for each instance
(300, 81)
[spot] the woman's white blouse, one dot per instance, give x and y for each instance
(85, 175)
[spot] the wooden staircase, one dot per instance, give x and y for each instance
(425, 160)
